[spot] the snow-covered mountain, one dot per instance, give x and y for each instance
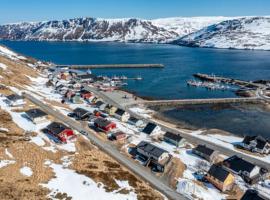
(95, 29)
(242, 33)
(216, 32)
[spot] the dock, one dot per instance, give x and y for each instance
(110, 66)
(241, 83)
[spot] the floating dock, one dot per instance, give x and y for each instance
(110, 66)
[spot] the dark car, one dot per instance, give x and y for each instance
(71, 114)
(84, 132)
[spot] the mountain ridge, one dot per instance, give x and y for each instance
(184, 31)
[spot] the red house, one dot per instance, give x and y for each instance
(104, 124)
(86, 94)
(60, 131)
(118, 136)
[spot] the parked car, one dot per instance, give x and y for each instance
(84, 132)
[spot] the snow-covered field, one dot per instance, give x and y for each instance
(80, 187)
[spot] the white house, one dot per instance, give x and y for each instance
(14, 100)
(121, 115)
(136, 122)
(151, 129)
(36, 115)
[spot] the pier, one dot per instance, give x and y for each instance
(213, 78)
(179, 102)
(110, 66)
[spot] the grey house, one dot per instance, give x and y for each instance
(174, 139)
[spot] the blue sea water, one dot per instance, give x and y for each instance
(170, 83)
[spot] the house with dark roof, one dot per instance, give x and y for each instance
(205, 152)
(122, 115)
(248, 171)
(256, 144)
(136, 122)
(151, 129)
(14, 100)
(254, 195)
(60, 131)
(36, 115)
(151, 151)
(81, 114)
(220, 178)
(100, 105)
(174, 139)
(89, 78)
(119, 135)
(85, 94)
(104, 124)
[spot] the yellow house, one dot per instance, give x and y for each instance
(220, 178)
(110, 109)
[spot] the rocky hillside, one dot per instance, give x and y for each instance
(92, 29)
(242, 33)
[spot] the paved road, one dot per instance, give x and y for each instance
(221, 148)
(110, 150)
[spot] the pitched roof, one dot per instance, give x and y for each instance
(172, 136)
(205, 150)
(133, 119)
(80, 111)
(253, 195)
(56, 127)
(261, 142)
(150, 149)
(238, 164)
(102, 122)
(87, 76)
(35, 113)
(218, 172)
(99, 103)
(118, 133)
(14, 97)
(120, 112)
(149, 128)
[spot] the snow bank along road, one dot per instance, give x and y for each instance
(110, 150)
(191, 138)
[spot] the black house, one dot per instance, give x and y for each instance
(250, 172)
(151, 128)
(253, 195)
(205, 152)
(81, 114)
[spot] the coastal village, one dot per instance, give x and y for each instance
(196, 170)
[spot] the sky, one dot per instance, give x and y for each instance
(42, 10)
